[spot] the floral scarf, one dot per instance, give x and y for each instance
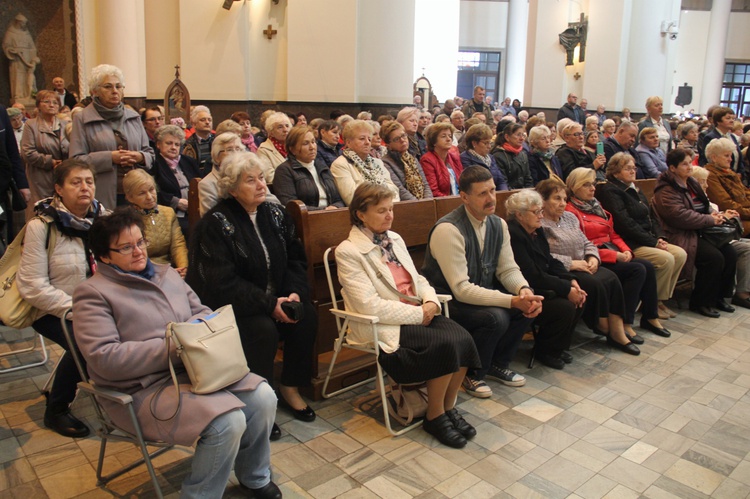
(367, 167)
(385, 243)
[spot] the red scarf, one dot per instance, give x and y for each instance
(279, 146)
(510, 148)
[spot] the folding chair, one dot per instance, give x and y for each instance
(343, 318)
(43, 351)
(108, 430)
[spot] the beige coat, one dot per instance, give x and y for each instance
(362, 274)
(348, 177)
(270, 158)
(120, 322)
(41, 145)
(166, 244)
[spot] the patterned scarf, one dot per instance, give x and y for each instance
(279, 146)
(544, 155)
(412, 178)
(367, 167)
(592, 207)
(484, 159)
(386, 246)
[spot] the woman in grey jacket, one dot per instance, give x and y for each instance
(110, 136)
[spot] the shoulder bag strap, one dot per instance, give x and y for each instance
(169, 335)
(413, 299)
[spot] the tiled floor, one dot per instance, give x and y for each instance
(673, 422)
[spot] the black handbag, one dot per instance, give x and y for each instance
(719, 235)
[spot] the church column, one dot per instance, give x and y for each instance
(716, 45)
(122, 41)
(515, 64)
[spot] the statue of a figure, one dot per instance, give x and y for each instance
(569, 39)
(19, 47)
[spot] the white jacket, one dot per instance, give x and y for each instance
(359, 261)
(48, 285)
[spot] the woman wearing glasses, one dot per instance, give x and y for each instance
(110, 136)
(511, 158)
(633, 222)
(44, 145)
(404, 167)
(47, 275)
(572, 154)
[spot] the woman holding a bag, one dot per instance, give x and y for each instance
(56, 258)
(683, 210)
(121, 315)
(417, 344)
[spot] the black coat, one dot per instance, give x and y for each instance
(539, 170)
(294, 181)
(631, 214)
(228, 263)
(328, 154)
(612, 147)
(570, 159)
(544, 273)
(167, 182)
(515, 168)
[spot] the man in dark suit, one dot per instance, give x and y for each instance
(66, 98)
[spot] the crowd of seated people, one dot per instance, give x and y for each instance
(581, 241)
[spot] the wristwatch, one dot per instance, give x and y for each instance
(526, 287)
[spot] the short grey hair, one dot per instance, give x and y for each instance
(101, 72)
(229, 126)
(608, 122)
(274, 119)
(523, 113)
(222, 140)
(523, 200)
(537, 133)
(199, 109)
(232, 168)
(719, 146)
(407, 113)
(364, 115)
(456, 113)
(172, 130)
(686, 128)
(592, 119)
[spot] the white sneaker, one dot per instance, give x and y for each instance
(476, 388)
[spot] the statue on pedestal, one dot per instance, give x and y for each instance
(20, 49)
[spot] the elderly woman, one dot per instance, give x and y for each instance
(120, 317)
(416, 343)
(248, 140)
(161, 226)
(572, 155)
(478, 141)
(304, 175)
(273, 151)
(725, 187)
(683, 210)
(563, 297)
(687, 133)
(592, 124)
(110, 136)
(653, 159)
(208, 188)
(47, 276)
(356, 165)
(543, 163)
(378, 150)
(608, 128)
(654, 109)
(43, 145)
(408, 117)
(605, 302)
(511, 158)
(328, 141)
(245, 252)
(636, 275)
(406, 172)
(441, 165)
(633, 222)
(173, 172)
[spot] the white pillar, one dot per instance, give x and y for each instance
(716, 45)
(122, 41)
(515, 64)
(436, 56)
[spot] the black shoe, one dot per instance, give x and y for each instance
(307, 414)
(64, 423)
(629, 347)
(566, 357)
(598, 331)
(550, 360)
(268, 491)
(442, 428)
(741, 302)
(460, 424)
(275, 433)
(724, 306)
(706, 311)
(638, 340)
(659, 331)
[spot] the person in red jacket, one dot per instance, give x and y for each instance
(441, 166)
(637, 276)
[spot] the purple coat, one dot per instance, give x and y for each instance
(120, 322)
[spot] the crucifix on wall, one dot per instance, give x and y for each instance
(269, 32)
(574, 36)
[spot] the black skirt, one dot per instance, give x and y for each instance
(428, 352)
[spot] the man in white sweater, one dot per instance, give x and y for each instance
(469, 256)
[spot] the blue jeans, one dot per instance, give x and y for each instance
(238, 437)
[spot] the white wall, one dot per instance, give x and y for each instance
(738, 45)
(432, 54)
(546, 84)
(483, 25)
(691, 54)
(162, 21)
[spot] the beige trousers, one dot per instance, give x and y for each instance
(668, 265)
